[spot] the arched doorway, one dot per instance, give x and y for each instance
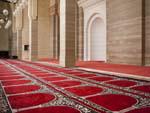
(98, 40)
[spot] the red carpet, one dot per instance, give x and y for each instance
(50, 60)
(28, 100)
(82, 93)
(67, 83)
(10, 78)
(5, 70)
(142, 110)
(38, 73)
(15, 82)
(56, 109)
(84, 75)
(21, 89)
(74, 72)
(101, 79)
(119, 68)
(65, 70)
(122, 83)
(145, 88)
(54, 78)
(8, 74)
(128, 69)
(113, 102)
(45, 75)
(85, 90)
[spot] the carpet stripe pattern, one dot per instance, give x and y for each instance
(47, 89)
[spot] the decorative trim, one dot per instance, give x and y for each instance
(88, 3)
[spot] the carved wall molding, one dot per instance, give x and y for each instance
(54, 7)
(88, 3)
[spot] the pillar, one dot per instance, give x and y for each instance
(67, 33)
(53, 35)
(19, 34)
(19, 44)
(57, 36)
(81, 33)
(54, 29)
(14, 38)
(33, 30)
(77, 31)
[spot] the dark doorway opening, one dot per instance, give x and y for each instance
(4, 54)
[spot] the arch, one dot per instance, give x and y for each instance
(98, 41)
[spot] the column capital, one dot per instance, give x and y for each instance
(54, 7)
(32, 9)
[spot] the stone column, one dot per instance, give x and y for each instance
(14, 38)
(54, 30)
(19, 34)
(14, 43)
(33, 30)
(77, 32)
(52, 35)
(33, 40)
(57, 39)
(81, 33)
(67, 33)
(19, 44)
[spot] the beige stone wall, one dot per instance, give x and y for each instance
(44, 50)
(124, 31)
(25, 34)
(4, 37)
(147, 40)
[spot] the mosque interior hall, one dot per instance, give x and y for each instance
(74, 56)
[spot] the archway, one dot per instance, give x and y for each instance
(96, 39)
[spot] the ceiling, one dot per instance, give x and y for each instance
(9, 1)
